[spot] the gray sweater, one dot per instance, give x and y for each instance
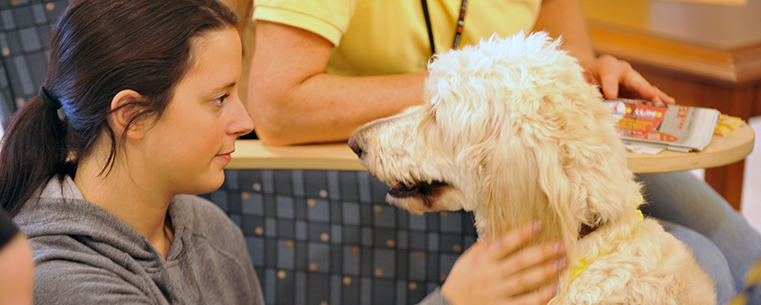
(85, 255)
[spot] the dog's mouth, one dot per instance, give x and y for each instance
(425, 189)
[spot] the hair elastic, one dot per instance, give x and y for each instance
(51, 102)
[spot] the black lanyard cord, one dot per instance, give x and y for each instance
(424, 3)
(458, 28)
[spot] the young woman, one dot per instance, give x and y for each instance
(139, 105)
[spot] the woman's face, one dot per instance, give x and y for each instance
(189, 146)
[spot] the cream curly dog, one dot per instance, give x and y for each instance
(512, 132)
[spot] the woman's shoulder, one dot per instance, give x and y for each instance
(68, 281)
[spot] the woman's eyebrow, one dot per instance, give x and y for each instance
(230, 85)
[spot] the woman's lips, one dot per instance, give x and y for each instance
(224, 157)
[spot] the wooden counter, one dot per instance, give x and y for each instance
(252, 154)
(721, 151)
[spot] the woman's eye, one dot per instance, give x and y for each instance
(220, 100)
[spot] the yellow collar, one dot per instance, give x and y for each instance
(583, 263)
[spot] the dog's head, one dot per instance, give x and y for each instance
(511, 131)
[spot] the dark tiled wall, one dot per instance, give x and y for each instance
(328, 237)
(24, 45)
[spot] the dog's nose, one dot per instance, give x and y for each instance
(355, 147)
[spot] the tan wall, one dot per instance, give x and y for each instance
(630, 14)
(730, 25)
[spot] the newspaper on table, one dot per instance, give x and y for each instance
(672, 127)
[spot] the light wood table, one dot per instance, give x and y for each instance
(721, 151)
(726, 78)
(251, 154)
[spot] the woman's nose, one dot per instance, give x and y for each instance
(242, 123)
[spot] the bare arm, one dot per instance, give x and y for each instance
(565, 17)
(616, 77)
(293, 101)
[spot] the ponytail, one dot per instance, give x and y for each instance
(33, 151)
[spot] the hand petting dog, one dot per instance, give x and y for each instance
(507, 274)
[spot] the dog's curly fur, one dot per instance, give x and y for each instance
(513, 132)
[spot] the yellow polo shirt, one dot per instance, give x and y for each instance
(381, 37)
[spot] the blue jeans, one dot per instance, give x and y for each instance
(724, 244)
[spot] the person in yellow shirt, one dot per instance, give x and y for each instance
(323, 68)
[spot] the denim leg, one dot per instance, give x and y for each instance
(709, 257)
(682, 198)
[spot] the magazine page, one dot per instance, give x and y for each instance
(674, 127)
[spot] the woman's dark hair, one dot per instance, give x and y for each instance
(100, 47)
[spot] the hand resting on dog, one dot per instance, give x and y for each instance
(500, 273)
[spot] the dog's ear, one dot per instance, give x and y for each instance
(534, 183)
(523, 181)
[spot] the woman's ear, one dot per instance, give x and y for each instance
(126, 107)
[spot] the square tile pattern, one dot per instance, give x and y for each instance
(24, 49)
(329, 237)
